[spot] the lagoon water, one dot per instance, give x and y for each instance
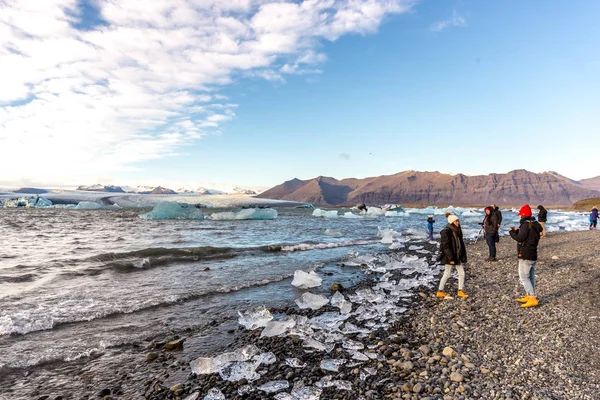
(79, 284)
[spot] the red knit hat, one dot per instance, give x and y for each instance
(525, 211)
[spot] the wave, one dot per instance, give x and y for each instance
(330, 245)
(25, 322)
(18, 278)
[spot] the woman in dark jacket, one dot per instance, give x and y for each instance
(453, 254)
(542, 218)
(490, 228)
(594, 218)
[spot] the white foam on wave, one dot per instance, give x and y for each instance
(312, 246)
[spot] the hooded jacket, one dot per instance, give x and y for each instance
(490, 222)
(527, 237)
(498, 214)
(452, 246)
(543, 214)
(594, 214)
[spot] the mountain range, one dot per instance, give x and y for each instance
(414, 187)
(156, 190)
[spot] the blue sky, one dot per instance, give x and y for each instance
(454, 86)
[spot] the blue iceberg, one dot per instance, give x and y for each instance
(247, 213)
(172, 210)
(88, 205)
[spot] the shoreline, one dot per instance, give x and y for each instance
(450, 349)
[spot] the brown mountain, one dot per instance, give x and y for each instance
(591, 183)
(513, 188)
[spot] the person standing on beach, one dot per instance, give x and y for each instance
(430, 222)
(453, 254)
(542, 218)
(527, 236)
(594, 218)
(499, 218)
(490, 228)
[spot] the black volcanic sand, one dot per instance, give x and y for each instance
(484, 347)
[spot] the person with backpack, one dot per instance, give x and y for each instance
(430, 222)
(527, 236)
(594, 218)
(542, 218)
(453, 254)
(490, 229)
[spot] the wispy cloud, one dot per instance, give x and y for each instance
(344, 156)
(87, 90)
(456, 21)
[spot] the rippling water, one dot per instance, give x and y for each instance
(74, 282)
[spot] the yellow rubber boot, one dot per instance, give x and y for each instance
(462, 294)
(531, 302)
(523, 299)
(441, 294)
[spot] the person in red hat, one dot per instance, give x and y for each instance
(527, 236)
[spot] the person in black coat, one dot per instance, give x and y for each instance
(527, 236)
(453, 254)
(499, 218)
(542, 218)
(490, 228)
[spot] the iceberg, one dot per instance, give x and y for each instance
(305, 280)
(325, 214)
(246, 213)
(88, 205)
(172, 210)
(257, 317)
(312, 301)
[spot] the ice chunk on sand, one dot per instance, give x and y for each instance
(276, 328)
(240, 370)
(88, 205)
(314, 344)
(244, 390)
(203, 365)
(301, 392)
(274, 386)
(338, 300)
(312, 301)
(247, 213)
(294, 363)
(305, 280)
(214, 394)
(255, 318)
(172, 210)
(350, 344)
(413, 248)
(325, 214)
(332, 364)
(333, 232)
(267, 358)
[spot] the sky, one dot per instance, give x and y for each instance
(256, 92)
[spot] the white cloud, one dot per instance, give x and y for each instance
(143, 83)
(456, 21)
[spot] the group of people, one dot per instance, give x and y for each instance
(453, 253)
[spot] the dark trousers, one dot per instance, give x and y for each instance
(490, 238)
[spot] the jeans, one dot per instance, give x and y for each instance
(448, 271)
(490, 238)
(527, 275)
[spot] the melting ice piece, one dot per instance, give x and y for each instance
(247, 213)
(333, 232)
(351, 328)
(338, 300)
(274, 386)
(330, 321)
(312, 301)
(240, 370)
(276, 328)
(305, 280)
(88, 205)
(325, 214)
(301, 392)
(413, 247)
(266, 358)
(357, 355)
(295, 363)
(314, 344)
(244, 390)
(332, 364)
(343, 385)
(172, 210)
(214, 394)
(396, 245)
(204, 365)
(255, 318)
(350, 344)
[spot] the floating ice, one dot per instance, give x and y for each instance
(214, 394)
(204, 365)
(255, 318)
(387, 235)
(305, 280)
(312, 301)
(325, 214)
(414, 247)
(332, 364)
(294, 363)
(397, 214)
(247, 213)
(333, 232)
(276, 328)
(274, 386)
(88, 205)
(375, 211)
(172, 210)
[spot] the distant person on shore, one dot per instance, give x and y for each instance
(430, 222)
(490, 229)
(594, 218)
(499, 217)
(527, 236)
(542, 218)
(362, 207)
(453, 254)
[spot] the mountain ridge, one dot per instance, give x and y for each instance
(421, 187)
